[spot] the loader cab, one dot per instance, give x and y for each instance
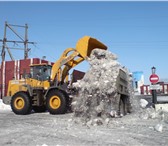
(40, 72)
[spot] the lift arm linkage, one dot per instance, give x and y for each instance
(72, 57)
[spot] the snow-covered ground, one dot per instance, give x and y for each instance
(143, 127)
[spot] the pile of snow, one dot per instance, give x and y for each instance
(4, 106)
(97, 97)
(151, 113)
(146, 112)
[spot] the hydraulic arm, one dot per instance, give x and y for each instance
(72, 57)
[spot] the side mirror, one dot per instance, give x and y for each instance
(48, 78)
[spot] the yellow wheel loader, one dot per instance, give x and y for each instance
(43, 88)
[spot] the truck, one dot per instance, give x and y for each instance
(44, 88)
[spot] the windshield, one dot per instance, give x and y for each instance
(41, 73)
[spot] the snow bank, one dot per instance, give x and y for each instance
(146, 113)
(97, 91)
(4, 106)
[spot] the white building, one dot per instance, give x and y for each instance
(138, 81)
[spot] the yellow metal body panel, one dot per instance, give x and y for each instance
(19, 85)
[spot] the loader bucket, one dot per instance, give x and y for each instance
(86, 44)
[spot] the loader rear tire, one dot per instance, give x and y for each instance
(56, 102)
(21, 104)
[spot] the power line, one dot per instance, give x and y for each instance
(23, 40)
(41, 50)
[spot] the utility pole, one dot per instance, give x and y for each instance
(21, 40)
(26, 43)
(4, 43)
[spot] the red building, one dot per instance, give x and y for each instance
(145, 89)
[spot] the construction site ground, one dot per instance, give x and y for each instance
(43, 129)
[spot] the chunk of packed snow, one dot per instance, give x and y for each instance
(143, 103)
(159, 127)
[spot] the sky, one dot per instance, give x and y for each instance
(137, 32)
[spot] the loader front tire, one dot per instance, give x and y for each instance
(56, 102)
(21, 104)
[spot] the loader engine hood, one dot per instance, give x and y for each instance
(86, 44)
